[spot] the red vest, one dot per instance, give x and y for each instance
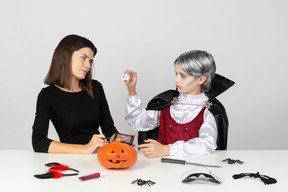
(170, 131)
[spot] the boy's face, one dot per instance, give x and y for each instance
(186, 83)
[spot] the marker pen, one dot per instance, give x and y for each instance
(91, 176)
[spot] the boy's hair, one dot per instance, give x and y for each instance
(60, 68)
(197, 63)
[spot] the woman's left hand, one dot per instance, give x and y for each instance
(152, 148)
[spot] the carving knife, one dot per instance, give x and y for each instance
(183, 162)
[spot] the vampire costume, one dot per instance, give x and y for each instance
(164, 100)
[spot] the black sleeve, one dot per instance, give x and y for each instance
(107, 123)
(40, 140)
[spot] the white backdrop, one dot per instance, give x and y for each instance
(248, 40)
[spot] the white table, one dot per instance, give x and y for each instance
(18, 167)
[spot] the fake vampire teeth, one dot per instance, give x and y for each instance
(125, 77)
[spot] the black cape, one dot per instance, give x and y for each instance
(219, 85)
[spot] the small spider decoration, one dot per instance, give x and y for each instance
(143, 182)
(232, 161)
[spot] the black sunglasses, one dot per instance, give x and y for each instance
(197, 176)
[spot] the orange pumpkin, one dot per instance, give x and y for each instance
(117, 155)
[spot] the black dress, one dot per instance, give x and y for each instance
(75, 116)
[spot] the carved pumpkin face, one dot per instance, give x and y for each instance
(117, 155)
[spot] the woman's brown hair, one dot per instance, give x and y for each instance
(60, 68)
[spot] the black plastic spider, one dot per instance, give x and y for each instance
(232, 161)
(143, 182)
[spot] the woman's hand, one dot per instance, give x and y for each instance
(95, 142)
(152, 148)
(131, 83)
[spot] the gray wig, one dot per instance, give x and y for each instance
(197, 63)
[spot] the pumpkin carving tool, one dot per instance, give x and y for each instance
(183, 162)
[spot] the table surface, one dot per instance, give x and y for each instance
(18, 167)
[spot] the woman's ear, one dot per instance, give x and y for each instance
(202, 79)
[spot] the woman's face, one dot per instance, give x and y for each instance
(186, 83)
(81, 62)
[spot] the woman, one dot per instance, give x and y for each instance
(75, 104)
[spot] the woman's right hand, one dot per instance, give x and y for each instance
(95, 142)
(131, 83)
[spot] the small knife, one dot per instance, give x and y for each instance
(183, 162)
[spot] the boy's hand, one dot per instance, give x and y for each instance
(152, 148)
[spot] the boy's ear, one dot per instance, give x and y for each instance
(202, 79)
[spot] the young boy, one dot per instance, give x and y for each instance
(186, 127)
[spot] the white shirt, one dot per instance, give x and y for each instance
(141, 119)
